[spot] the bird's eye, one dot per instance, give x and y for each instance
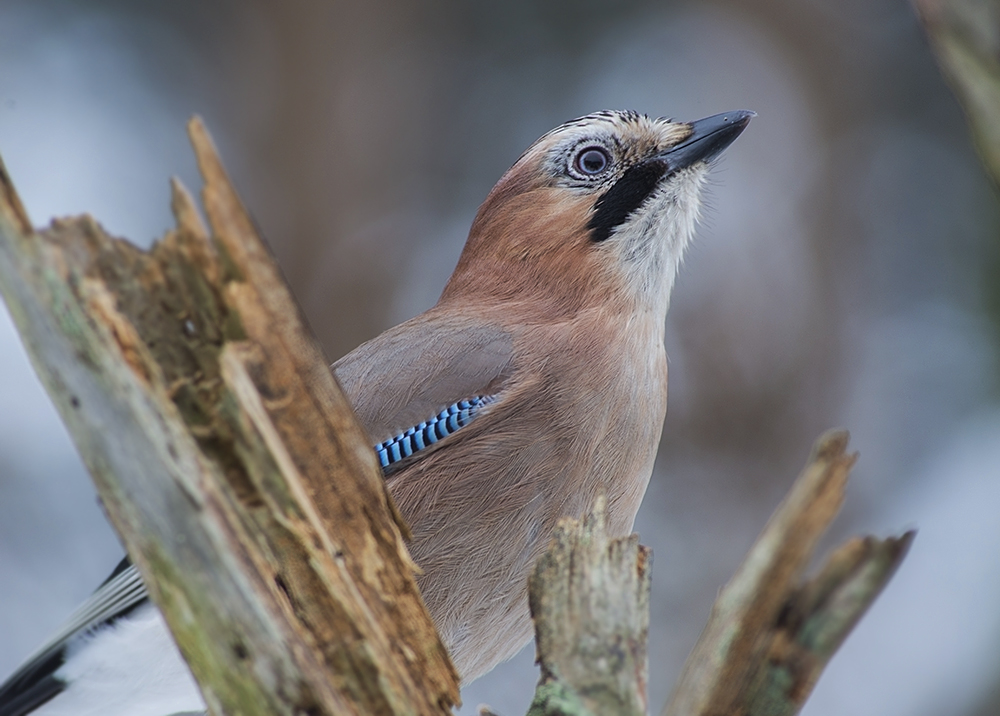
(591, 161)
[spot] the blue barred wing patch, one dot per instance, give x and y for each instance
(428, 432)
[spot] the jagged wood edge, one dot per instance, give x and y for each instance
(589, 597)
(280, 606)
(770, 635)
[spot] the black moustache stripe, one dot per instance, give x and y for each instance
(626, 195)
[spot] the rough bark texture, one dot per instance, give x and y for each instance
(770, 635)
(589, 598)
(227, 458)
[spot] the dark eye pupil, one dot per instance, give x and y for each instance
(592, 161)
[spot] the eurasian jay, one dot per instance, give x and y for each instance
(537, 382)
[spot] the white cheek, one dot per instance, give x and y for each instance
(651, 244)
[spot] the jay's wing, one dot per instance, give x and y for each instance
(35, 682)
(413, 371)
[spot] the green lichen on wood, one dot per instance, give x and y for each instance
(589, 597)
(771, 633)
(817, 619)
(556, 698)
(234, 686)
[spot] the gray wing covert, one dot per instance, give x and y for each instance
(410, 372)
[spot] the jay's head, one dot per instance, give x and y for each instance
(599, 209)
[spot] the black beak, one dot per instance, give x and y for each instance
(708, 138)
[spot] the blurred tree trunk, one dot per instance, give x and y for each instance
(965, 36)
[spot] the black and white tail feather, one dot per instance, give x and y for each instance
(120, 613)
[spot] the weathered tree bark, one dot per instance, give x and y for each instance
(227, 458)
(589, 598)
(770, 634)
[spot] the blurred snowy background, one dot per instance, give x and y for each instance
(844, 275)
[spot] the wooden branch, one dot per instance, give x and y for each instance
(227, 458)
(769, 636)
(589, 598)
(965, 36)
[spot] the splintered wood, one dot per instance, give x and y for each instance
(770, 634)
(227, 458)
(589, 598)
